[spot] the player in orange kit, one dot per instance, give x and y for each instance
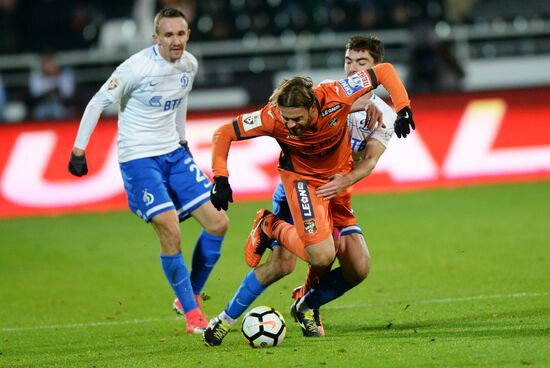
(310, 126)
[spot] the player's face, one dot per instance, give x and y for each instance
(172, 38)
(296, 119)
(356, 61)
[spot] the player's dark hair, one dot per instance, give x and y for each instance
(294, 92)
(168, 13)
(372, 44)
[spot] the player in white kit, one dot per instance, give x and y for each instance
(369, 141)
(162, 181)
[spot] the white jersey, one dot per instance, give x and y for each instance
(152, 94)
(359, 133)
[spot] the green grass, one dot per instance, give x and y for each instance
(460, 278)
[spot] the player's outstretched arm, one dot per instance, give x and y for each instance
(373, 150)
(221, 193)
(387, 76)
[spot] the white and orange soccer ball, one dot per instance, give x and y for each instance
(263, 327)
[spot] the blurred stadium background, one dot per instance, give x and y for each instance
(477, 72)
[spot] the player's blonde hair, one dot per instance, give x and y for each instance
(294, 92)
(168, 13)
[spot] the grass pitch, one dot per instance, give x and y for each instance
(460, 278)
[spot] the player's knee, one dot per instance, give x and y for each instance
(285, 267)
(321, 259)
(219, 225)
(361, 269)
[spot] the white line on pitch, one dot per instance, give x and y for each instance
(151, 320)
(445, 300)
(88, 324)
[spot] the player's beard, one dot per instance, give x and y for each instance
(299, 130)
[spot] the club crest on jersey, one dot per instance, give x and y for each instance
(184, 80)
(251, 121)
(330, 110)
(333, 122)
(355, 83)
(310, 227)
(304, 199)
(148, 198)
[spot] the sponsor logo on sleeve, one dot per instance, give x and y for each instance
(304, 200)
(355, 83)
(251, 121)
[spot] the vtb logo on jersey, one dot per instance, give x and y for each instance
(333, 122)
(172, 104)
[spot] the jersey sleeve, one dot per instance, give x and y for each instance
(255, 124)
(386, 75)
(119, 83)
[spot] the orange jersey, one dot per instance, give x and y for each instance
(324, 149)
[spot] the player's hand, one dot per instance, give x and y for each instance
(373, 117)
(221, 193)
(78, 165)
(186, 147)
(404, 123)
(331, 189)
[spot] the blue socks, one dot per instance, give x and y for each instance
(249, 290)
(331, 287)
(206, 254)
(176, 272)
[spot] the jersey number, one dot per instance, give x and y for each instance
(199, 176)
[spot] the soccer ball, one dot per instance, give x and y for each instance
(263, 327)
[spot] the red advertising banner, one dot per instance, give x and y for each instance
(461, 139)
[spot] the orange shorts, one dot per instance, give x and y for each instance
(314, 217)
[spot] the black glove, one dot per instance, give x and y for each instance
(404, 122)
(77, 165)
(221, 193)
(186, 146)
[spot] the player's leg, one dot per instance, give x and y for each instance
(279, 264)
(149, 198)
(208, 246)
(190, 190)
(350, 241)
(311, 236)
(354, 267)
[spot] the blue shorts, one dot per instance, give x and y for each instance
(280, 204)
(161, 183)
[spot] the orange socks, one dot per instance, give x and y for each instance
(287, 236)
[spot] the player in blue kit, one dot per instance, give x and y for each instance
(163, 183)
